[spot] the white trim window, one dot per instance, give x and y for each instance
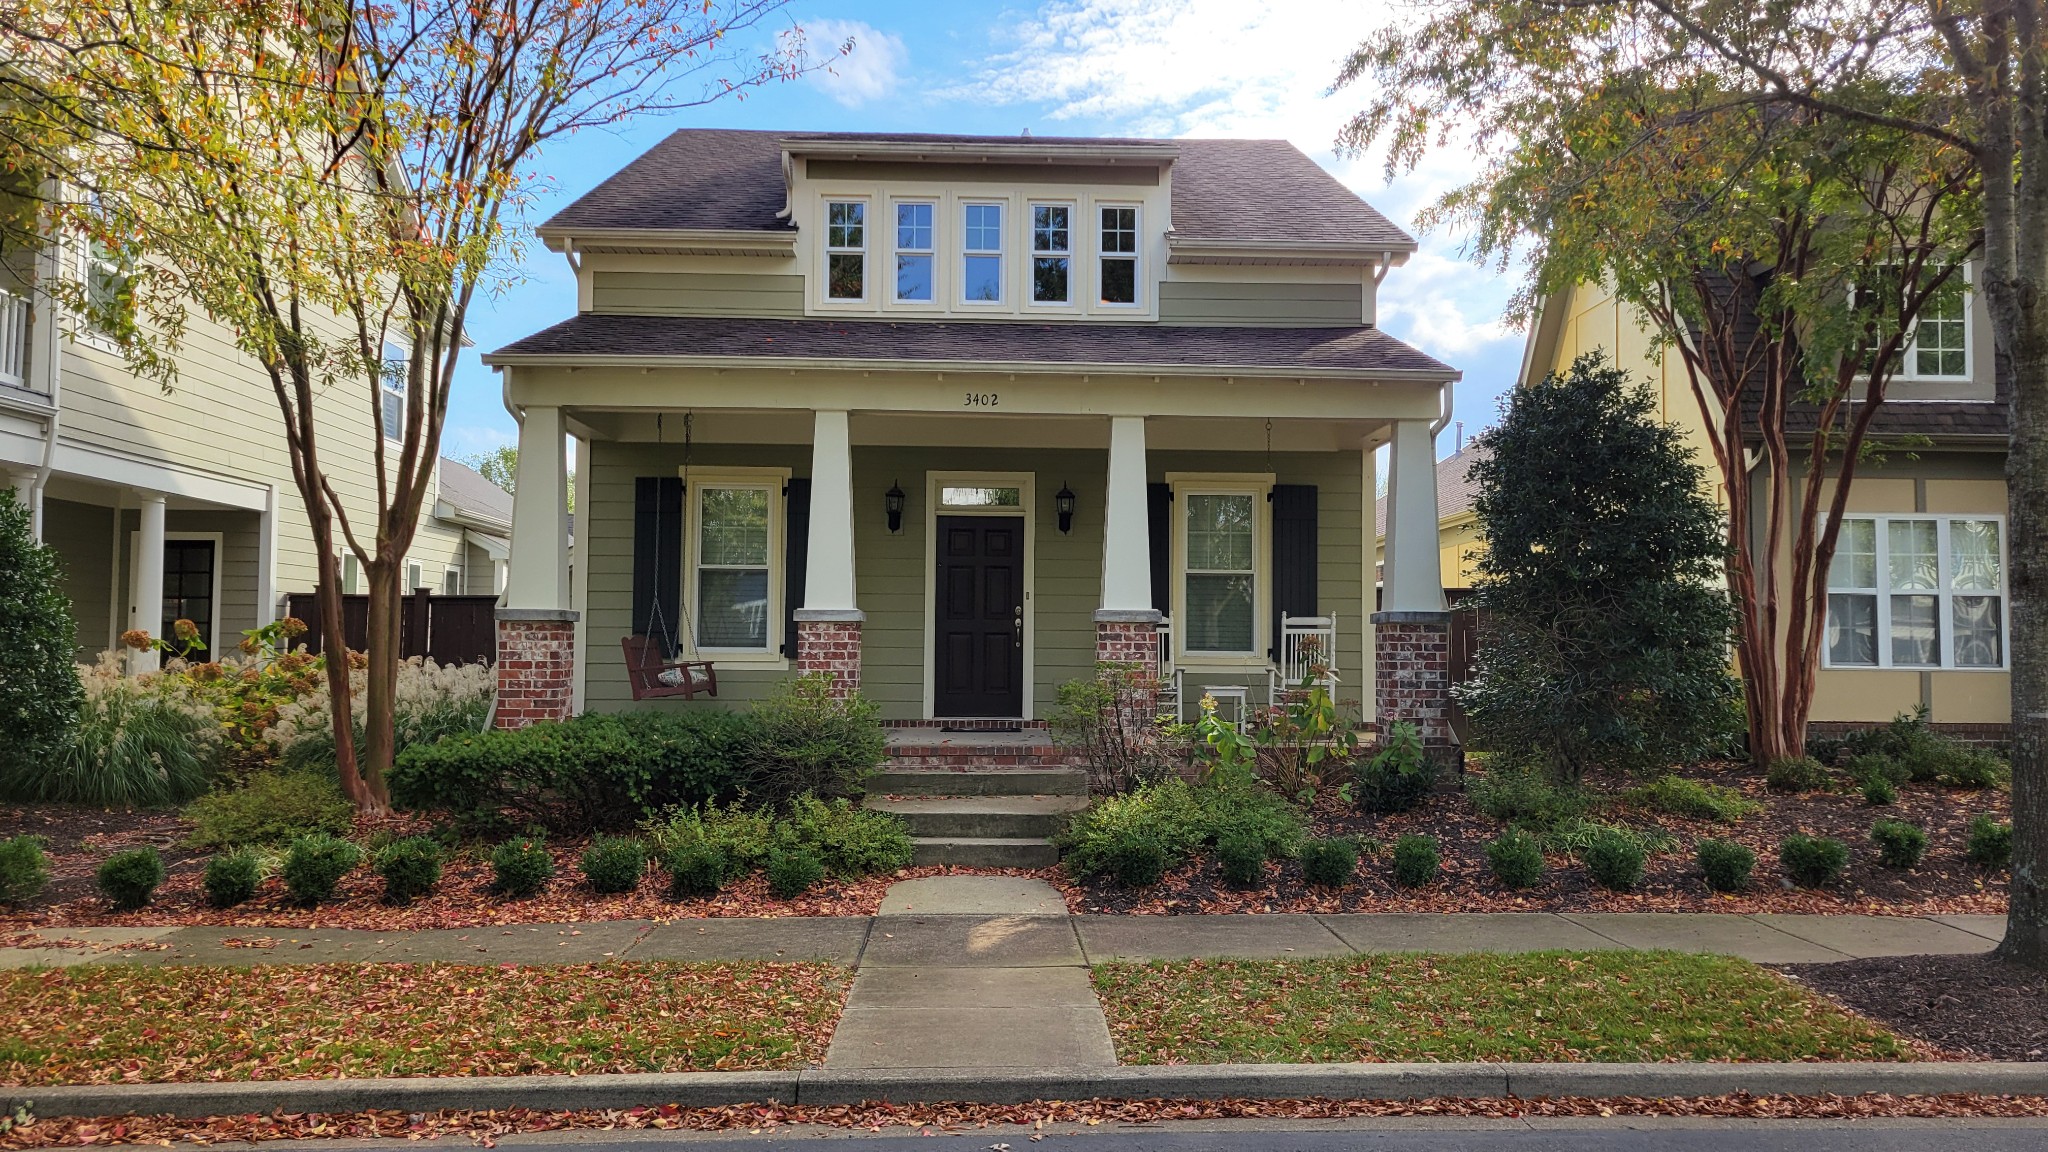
(1117, 261)
(1219, 571)
(916, 252)
(1918, 591)
(846, 250)
(451, 581)
(415, 577)
(981, 253)
(1052, 254)
(1940, 345)
(104, 274)
(351, 573)
(735, 562)
(392, 384)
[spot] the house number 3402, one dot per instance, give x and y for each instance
(981, 400)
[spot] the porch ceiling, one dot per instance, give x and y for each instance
(979, 430)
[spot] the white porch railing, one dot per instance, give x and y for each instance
(1307, 651)
(13, 340)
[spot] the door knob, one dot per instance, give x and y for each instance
(1018, 624)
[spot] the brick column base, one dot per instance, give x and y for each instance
(536, 666)
(1412, 676)
(829, 642)
(1132, 639)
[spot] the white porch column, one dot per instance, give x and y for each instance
(828, 624)
(1411, 633)
(1126, 547)
(539, 576)
(266, 560)
(146, 582)
(1414, 576)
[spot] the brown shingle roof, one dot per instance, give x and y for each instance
(1455, 488)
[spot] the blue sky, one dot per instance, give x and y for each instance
(1254, 68)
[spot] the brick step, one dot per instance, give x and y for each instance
(895, 780)
(985, 852)
(978, 763)
(997, 817)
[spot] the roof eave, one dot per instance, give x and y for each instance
(1193, 249)
(1031, 367)
(683, 241)
(1023, 149)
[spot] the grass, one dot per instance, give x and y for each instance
(109, 1024)
(1535, 1006)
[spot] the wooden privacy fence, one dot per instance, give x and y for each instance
(444, 629)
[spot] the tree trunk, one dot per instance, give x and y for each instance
(379, 728)
(334, 652)
(2026, 472)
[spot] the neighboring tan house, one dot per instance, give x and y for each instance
(956, 417)
(179, 504)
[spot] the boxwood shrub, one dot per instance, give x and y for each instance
(1329, 863)
(1726, 864)
(24, 869)
(1812, 861)
(521, 866)
(1416, 861)
(1516, 859)
(315, 864)
(614, 864)
(410, 868)
(1990, 843)
(1242, 857)
(128, 879)
(1899, 844)
(793, 871)
(1615, 861)
(232, 876)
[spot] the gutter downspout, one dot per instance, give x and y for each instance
(45, 329)
(1449, 394)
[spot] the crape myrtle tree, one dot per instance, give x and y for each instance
(334, 181)
(1783, 255)
(1606, 634)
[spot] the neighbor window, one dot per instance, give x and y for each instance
(451, 581)
(391, 385)
(1219, 595)
(914, 252)
(104, 272)
(1119, 256)
(415, 576)
(734, 537)
(351, 574)
(846, 247)
(1052, 253)
(1940, 343)
(1917, 592)
(981, 245)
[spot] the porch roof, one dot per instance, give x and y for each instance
(970, 345)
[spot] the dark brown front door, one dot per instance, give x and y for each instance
(980, 617)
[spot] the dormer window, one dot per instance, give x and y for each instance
(981, 261)
(1119, 255)
(914, 253)
(846, 247)
(1052, 253)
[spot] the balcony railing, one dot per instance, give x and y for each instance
(13, 340)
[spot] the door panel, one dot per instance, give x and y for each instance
(188, 594)
(978, 618)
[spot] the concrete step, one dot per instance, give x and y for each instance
(1002, 817)
(985, 852)
(893, 780)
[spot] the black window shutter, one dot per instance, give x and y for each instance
(658, 560)
(796, 551)
(1294, 554)
(1159, 529)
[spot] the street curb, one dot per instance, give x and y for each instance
(1021, 1085)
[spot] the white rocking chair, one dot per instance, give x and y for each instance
(1308, 651)
(1169, 674)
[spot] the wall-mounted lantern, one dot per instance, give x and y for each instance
(892, 503)
(1063, 503)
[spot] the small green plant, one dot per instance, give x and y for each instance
(1136, 860)
(1399, 776)
(128, 879)
(24, 869)
(614, 864)
(410, 868)
(1899, 844)
(696, 870)
(1869, 765)
(1796, 774)
(1726, 864)
(1694, 799)
(1990, 843)
(1522, 797)
(1574, 836)
(1416, 861)
(1615, 861)
(851, 840)
(314, 865)
(1812, 861)
(1879, 791)
(1516, 859)
(271, 808)
(1918, 752)
(1973, 768)
(1329, 863)
(232, 876)
(521, 866)
(792, 872)
(1243, 858)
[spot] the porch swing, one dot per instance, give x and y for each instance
(652, 674)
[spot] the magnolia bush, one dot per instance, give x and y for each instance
(434, 700)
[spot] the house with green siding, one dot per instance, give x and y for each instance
(954, 418)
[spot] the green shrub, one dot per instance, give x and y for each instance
(1416, 861)
(1329, 863)
(1973, 768)
(1615, 861)
(697, 869)
(1243, 858)
(232, 876)
(614, 864)
(1990, 843)
(1694, 799)
(521, 866)
(1925, 755)
(24, 869)
(792, 872)
(1874, 766)
(1516, 859)
(271, 808)
(40, 694)
(138, 741)
(128, 879)
(314, 865)
(805, 739)
(1105, 719)
(1796, 774)
(1135, 859)
(1523, 797)
(1179, 819)
(1398, 776)
(1726, 864)
(851, 841)
(410, 868)
(1899, 844)
(1812, 861)
(743, 836)
(1879, 791)
(1574, 836)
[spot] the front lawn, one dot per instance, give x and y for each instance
(1536, 1006)
(114, 1024)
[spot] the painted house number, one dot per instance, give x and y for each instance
(981, 400)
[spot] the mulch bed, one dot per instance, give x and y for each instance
(1023, 1121)
(1946, 883)
(1966, 1004)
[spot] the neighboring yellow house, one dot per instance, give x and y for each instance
(1458, 542)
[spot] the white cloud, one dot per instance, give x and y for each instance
(870, 71)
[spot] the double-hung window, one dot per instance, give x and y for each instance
(981, 253)
(846, 249)
(1118, 255)
(1939, 347)
(914, 253)
(1219, 597)
(104, 273)
(1052, 253)
(734, 558)
(1917, 592)
(392, 376)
